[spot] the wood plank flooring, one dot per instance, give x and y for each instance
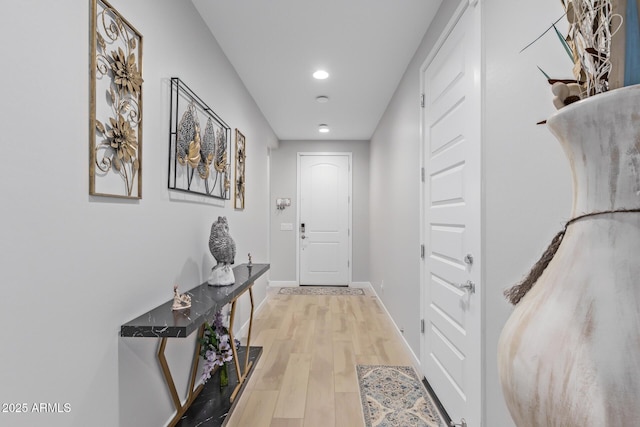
(306, 376)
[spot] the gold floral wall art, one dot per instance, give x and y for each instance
(241, 157)
(115, 105)
(198, 153)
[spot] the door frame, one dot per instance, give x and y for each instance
(446, 32)
(349, 155)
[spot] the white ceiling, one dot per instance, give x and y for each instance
(275, 46)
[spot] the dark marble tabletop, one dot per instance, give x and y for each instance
(206, 300)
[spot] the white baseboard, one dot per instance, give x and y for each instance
(416, 359)
(282, 284)
(244, 329)
(361, 285)
(293, 283)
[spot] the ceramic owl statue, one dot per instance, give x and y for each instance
(223, 249)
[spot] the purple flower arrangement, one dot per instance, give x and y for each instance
(215, 347)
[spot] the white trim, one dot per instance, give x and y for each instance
(293, 284)
(242, 332)
(361, 285)
(282, 284)
(415, 359)
(462, 7)
(349, 155)
(268, 207)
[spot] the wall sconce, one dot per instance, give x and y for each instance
(282, 203)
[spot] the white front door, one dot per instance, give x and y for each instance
(324, 219)
(451, 354)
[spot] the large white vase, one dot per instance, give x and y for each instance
(569, 355)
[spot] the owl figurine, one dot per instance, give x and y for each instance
(223, 249)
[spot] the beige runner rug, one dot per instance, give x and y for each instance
(319, 290)
(393, 396)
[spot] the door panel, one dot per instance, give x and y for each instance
(444, 71)
(451, 351)
(451, 360)
(447, 185)
(324, 245)
(323, 257)
(445, 131)
(447, 242)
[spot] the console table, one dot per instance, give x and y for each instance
(206, 300)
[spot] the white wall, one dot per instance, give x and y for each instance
(76, 267)
(527, 184)
(284, 185)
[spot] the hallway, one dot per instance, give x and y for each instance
(108, 259)
(311, 345)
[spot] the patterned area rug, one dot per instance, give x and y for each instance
(394, 396)
(317, 290)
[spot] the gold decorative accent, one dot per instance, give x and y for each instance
(125, 71)
(241, 157)
(191, 150)
(194, 150)
(115, 130)
(247, 364)
(221, 152)
(166, 372)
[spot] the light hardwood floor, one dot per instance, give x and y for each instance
(306, 376)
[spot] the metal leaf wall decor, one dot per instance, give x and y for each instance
(115, 105)
(198, 158)
(241, 158)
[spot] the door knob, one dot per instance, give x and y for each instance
(462, 423)
(467, 286)
(303, 237)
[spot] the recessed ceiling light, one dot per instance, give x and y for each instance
(323, 128)
(322, 99)
(320, 75)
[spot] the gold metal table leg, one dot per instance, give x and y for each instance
(246, 360)
(180, 408)
(193, 393)
(247, 365)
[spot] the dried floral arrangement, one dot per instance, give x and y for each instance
(600, 34)
(589, 39)
(116, 104)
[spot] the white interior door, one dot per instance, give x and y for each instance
(451, 289)
(324, 245)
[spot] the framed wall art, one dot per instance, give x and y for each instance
(198, 145)
(241, 157)
(115, 105)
